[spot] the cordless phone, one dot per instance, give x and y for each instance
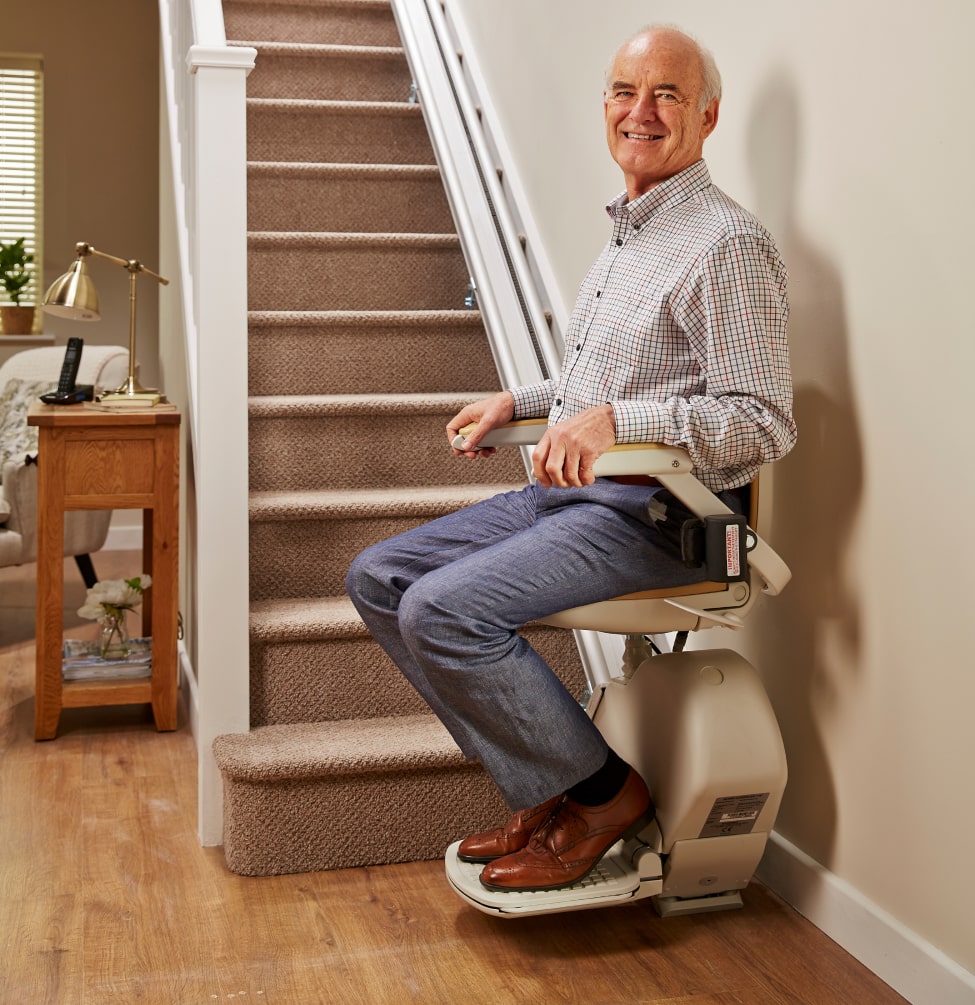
(67, 392)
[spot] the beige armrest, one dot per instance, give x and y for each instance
(671, 466)
(622, 459)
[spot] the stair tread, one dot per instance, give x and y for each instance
(368, 503)
(366, 318)
(341, 169)
(318, 48)
(417, 403)
(377, 5)
(305, 618)
(338, 106)
(344, 747)
(339, 237)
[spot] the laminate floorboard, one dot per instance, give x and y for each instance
(107, 897)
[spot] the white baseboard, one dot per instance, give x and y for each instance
(124, 538)
(189, 689)
(911, 966)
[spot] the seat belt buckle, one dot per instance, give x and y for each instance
(720, 544)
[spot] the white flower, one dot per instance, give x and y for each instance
(110, 597)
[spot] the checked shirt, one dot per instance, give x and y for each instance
(680, 325)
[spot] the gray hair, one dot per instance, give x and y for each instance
(710, 75)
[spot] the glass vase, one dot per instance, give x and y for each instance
(114, 642)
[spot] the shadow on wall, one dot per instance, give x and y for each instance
(809, 644)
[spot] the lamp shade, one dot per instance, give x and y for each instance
(73, 295)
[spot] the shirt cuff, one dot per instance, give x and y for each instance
(638, 422)
(532, 401)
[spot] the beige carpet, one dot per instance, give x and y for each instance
(359, 351)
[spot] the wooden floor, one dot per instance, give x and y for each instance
(106, 896)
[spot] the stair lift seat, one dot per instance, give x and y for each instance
(28, 374)
(697, 725)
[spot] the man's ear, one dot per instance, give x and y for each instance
(709, 119)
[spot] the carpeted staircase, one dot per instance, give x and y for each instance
(360, 350)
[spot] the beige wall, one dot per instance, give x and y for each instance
(846, 125)
(101, 153)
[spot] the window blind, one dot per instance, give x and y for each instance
(21, 161)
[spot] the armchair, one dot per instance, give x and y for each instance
(23, 377)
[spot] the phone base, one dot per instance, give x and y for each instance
(82, 392)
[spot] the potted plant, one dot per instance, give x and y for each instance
(15, 274)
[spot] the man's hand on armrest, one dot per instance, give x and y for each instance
(565, 455)
(487, 414)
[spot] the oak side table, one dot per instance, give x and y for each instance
(90, 459)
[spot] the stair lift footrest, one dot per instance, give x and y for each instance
(616, 879)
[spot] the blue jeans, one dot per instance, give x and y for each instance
(446, 600)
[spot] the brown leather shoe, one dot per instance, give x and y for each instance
(567, 847)
(489, 845)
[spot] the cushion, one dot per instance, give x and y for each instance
(16, 437)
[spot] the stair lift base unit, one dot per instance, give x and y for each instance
(699, 728)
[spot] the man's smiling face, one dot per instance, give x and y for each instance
(655, 126)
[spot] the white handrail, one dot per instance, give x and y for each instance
(208, 29)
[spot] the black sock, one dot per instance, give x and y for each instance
(600, 787)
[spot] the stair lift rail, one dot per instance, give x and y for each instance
(697, 725)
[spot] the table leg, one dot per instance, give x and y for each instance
(164, 604)
(50, 591)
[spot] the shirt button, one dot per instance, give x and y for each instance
(578, 346)
(619, 242)
(558, 401)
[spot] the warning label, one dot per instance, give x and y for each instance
(734, 815)
(732, 551)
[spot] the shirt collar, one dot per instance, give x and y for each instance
(671, 192)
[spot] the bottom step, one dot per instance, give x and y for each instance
(339, 795)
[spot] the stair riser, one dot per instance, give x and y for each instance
(354, 820)
(326, 136)
(362, 277)
(317, 24)
(310, 558)
(335, 679)
(348, 205)
(326, 680)
(377, 361)
(387, 451)
(330, 78)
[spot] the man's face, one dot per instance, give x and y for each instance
(654, 124)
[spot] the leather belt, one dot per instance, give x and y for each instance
(645, 480)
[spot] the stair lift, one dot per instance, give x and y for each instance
(697, 726)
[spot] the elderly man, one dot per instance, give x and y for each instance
(678, 336)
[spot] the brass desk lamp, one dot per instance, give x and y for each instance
(73, 295)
